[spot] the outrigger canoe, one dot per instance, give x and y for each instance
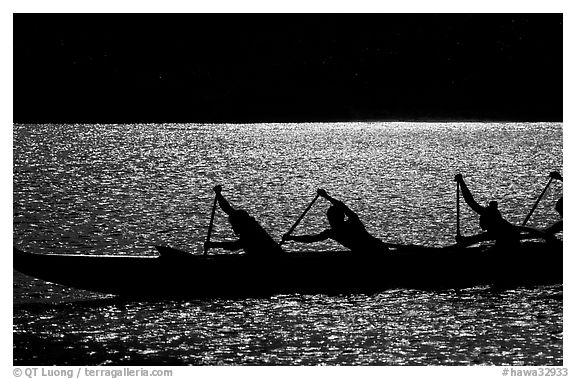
(176, 274)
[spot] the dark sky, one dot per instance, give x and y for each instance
(286, 67)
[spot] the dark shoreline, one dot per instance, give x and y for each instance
(288, 121)
(256, 68)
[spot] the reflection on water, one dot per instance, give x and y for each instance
(400, 327)
(119, 189)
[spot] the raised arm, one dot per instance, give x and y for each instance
(309, 238)
(224, 204)
(337, 203)
(468, 195)
(556, 175)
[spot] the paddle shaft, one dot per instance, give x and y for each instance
(206, 248)
(457, 208)
(301, 217)
(537, 201)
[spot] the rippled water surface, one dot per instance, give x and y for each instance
(120, 189)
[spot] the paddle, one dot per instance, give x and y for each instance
(537, 201)
(206, 248)
(299, 219)
(458, 209)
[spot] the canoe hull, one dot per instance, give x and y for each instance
(178, 274)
